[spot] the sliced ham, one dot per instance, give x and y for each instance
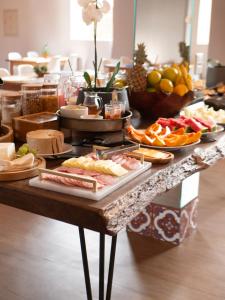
(128, 163)
(102, 179)
(69, 181)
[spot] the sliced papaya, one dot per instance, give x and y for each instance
(159, 141)
(175, 140)
(165, 132)
(155, 128)
(179, 131)
(193, 137)
(147, 140)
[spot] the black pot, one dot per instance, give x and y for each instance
(106, 96)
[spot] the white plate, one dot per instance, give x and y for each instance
(66, 149)
(168, 148)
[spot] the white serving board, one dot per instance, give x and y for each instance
(85, 193)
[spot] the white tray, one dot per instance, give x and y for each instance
(85, 193)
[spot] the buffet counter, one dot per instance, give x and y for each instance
(114, 212)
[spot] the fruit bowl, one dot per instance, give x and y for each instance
(158, 104)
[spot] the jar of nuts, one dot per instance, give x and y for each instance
(49, 97)
(31, 101)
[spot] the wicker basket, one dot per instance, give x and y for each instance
(158, 104)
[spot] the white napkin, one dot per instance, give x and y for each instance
(19, 164)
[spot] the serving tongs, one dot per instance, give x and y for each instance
(103, 153)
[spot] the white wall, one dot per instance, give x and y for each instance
(217, 33)
(161, 25)
(47, 21)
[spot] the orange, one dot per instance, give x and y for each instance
(166, 86)
(170, 73)
(154, 77)
(180, 89)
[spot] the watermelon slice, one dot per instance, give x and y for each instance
(195, 125)
(177, 123)
(163, 122)
(208, 124)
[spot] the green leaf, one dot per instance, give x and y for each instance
(87, 79)
(112, 79)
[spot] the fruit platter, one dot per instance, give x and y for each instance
(161, 92)
(209, 114)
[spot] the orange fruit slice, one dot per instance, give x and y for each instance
(155, 128)
(159, 141)
(165, 132)
(147, 140)
(179, 131)
(175, 140)
(193, 137)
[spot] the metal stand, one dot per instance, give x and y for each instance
(101, 266)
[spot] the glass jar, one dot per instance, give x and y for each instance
(31, 102)
(49, 97)
(10, 107)
(62, 88)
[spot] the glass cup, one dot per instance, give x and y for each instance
(72, 88)
(112, 112)
(93, 102)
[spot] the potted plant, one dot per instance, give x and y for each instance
(40, 70)
(92, 13)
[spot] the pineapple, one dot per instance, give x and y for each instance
(137, 77)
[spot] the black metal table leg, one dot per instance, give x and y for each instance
(101, 266)
(111, 267)
(85, 263)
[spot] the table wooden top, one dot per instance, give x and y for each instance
(115, 211)
(37, 60)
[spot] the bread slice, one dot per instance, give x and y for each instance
(152, 155)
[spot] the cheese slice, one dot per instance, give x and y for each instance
(102, 166)
(7, 151)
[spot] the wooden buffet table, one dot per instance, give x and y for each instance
(114, 212)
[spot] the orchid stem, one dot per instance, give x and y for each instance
(96, 57)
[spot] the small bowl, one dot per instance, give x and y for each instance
(73, 111)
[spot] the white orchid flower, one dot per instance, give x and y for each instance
(105, 7)
(91, 14)
(84, 3)
(86, 17)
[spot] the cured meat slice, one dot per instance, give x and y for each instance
(69, 181)
(102, 179)
(128, 163)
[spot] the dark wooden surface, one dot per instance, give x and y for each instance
(97, 215)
